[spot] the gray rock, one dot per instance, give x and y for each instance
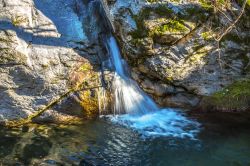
(187, 60)
(41, 45)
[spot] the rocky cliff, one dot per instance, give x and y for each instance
(48, 65)
(173, 50)
(51, 53)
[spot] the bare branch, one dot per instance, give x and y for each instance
(233, 24)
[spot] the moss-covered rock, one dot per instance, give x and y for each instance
(235, 97)
(169, 32)
(184, 52)
(144, 15)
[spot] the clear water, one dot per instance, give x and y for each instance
(224, 140)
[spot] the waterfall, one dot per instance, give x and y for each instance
(116, 56)
(132, 107)
(129, 98)
(135, 109)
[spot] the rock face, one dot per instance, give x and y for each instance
(46, 61)
(171, 48)
(50, 55)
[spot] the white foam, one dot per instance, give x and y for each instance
(163, 123)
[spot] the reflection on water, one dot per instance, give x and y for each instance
(223, 140)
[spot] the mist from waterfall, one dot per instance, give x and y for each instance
(135, 109)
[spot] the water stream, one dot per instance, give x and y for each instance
(135, 109)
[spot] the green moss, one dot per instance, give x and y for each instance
(85, 67)
(175, 0)
(207, 5)
(234, 97)
(169, 79)
(237, 89)
(207, 35)
(191, 13)
(199, 52)
(171, 26)
(142, 31)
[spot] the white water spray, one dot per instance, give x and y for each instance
(139, 111)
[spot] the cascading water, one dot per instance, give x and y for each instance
(139, 111)
(132, 107)
(129, 98)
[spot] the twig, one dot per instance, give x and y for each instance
(233, 24)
